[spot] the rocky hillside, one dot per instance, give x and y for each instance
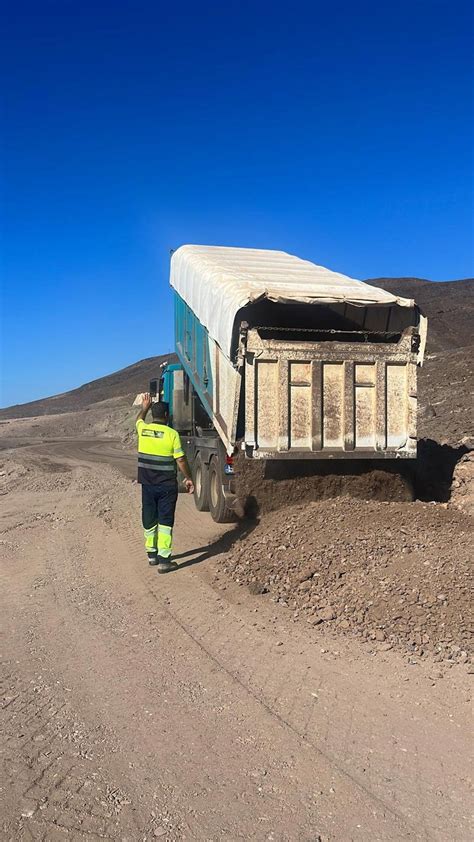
(449, 306)
(126, 383)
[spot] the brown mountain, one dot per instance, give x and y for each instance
(449, 306)
(445, 385)
(126, 382)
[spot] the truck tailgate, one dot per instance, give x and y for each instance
(330, 399)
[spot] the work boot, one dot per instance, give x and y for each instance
(165, 565)
(152, 559)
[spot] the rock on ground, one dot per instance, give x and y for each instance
(388, 572)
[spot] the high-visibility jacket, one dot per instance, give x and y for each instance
(158, 448)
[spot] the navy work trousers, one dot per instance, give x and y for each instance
(158, 509)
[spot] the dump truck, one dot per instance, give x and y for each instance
(282, 359)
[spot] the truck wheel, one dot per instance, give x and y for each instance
(201, 484)
(218, 508)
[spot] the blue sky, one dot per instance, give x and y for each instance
(340, 131)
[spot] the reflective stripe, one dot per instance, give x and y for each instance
(160, 467)
(165, 540)
(151, 536)
(178, 454)
(152, 458)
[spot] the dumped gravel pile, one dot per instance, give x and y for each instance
(11, 473)
(37, 478)
(270, 486)
(393, 573)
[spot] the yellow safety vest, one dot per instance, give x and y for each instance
(158, 448)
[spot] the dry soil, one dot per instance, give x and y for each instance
(302, 677)
(185, 707)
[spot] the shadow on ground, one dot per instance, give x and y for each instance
(241, 530)
(435, 466)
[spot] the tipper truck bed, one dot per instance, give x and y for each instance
(285, 360)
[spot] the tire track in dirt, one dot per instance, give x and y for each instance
(231, 690)
(269, 693)
(200, 635)
(58, 780)
(89, 625)
(410, 790)
(46, 761)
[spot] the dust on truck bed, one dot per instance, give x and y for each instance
(292, 360)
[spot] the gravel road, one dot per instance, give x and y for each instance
(138, 707)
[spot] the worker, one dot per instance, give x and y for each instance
(159, 451)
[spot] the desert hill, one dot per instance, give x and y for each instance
(125, 383)
(449, 306)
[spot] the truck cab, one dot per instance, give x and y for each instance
(212, 468)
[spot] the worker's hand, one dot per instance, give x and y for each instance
(146, 401)
(189, 486)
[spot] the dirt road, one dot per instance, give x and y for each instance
(138, 707)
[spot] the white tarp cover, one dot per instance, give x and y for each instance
(216, 282)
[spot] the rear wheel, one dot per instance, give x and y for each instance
(201, 484)
(218, 507)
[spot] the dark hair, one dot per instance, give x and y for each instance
(160, 410)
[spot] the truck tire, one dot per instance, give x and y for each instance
(218, 508)
(201, 484)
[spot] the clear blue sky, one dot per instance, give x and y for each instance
(339, 131)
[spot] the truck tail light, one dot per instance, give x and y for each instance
(229, 465)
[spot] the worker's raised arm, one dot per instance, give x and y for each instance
(146, 403)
